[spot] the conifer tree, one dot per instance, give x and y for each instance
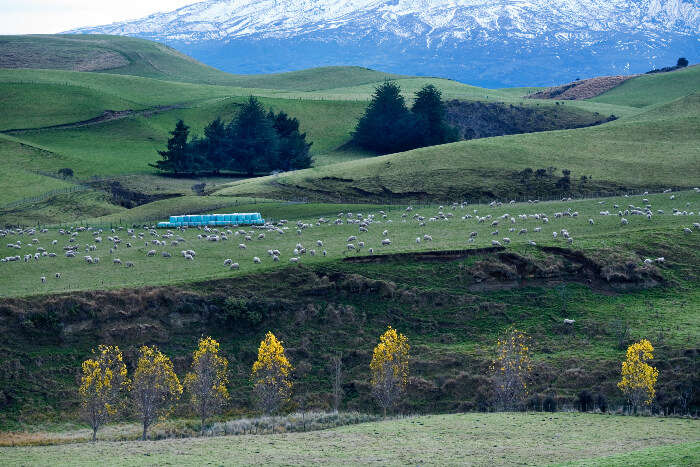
(176, 158)
(387, 125)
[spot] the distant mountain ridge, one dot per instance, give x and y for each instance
(497, 42)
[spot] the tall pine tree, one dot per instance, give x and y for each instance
(387, 125)
(431, 115)
(176, 158)
(214, 145)
(293, 148)
(252, 140)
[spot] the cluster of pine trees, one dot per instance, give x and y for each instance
(388, 125)
(254, 141)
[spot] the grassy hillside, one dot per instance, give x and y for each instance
(140, 57)
(653, 89)
(476, 439)
(650, 151)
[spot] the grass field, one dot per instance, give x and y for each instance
(655, 149)
(461, 439)
(23, 279)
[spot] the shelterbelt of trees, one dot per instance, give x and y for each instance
(255, 141)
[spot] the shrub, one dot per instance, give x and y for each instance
(682, 62)
(585, 401)
(66, 172)
(549, 404)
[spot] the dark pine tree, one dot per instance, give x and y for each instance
(176, 159)
(682, 62)
(214, 145)
(431, 115)
(387, 125)
(293, 147)
(252, 140)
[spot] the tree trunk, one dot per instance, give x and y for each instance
(145, 431)
(384, 412)
(94, 434)
(201, 433)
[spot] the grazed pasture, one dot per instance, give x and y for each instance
(420, 229)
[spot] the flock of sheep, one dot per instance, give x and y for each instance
(150, 242)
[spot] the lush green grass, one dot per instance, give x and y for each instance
(652, 150)
(37, 105)
(669, 455)
(478, 439)
(23, 279)
(653, 89)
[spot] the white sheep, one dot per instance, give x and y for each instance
(228, 262)
(43, 279)
(294, 260)
(242, 246)
(116, 261)
(151, 253)
(165, 254)
(386, 242)
(235, 266)
(569, 321)
(256, 260)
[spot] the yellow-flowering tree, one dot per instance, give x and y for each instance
(155, 386)
(511, 369)
(206, 382)
(102, 385)
(638, 377)
(389, 368)
(271, 375)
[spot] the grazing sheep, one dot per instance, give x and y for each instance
(591, 221)
(228, 262)
(58, 275)
(385, 233)
(506, 240)
(386, 241)
(531, 243)
(361, 244)
(319, 243)
(427, 238)
(351, 238)
(235, 266)
(43, 280)
(261, 236)
(495, 243)
(165, 254)
(417, 239)
(648, 261)
(129, 264)
(624, 221)
(242, 246)
(189, 257)
(325, 253)
(116, 261)
(275, 258)
(660, 259)
(569, 321)
(151, 253)
(256, 260)
(350, 246)
(294, 260)
(687, 230)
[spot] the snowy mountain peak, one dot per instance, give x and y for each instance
(422, 29)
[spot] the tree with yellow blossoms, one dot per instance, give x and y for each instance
(389, 368)
(102, 385)
(511, 369)
(206, 382)
(155, 386)
(638, 377)
(271, 375)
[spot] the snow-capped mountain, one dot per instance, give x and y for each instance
(494, 42)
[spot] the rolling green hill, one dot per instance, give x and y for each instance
(653, 150)
(653, 89)
(140, 57)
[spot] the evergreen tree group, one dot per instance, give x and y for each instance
(389, 126)
(252, 142)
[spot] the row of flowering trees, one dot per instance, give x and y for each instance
(154, 386)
